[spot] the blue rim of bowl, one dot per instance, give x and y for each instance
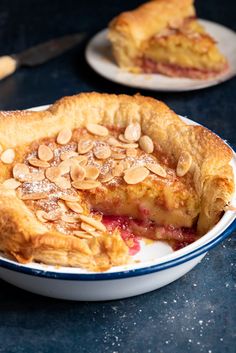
(122, 274)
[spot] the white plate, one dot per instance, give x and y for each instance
(153, 267)
(98, 55)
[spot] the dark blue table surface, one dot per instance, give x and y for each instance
(195, 314)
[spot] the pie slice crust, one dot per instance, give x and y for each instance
(165, 37)
(83, 179)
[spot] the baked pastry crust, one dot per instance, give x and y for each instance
(25, 238)
(165, 37)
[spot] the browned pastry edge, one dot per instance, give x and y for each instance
(26, 238)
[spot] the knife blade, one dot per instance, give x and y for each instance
(38, 54)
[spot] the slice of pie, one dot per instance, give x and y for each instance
(165, 37)
(83, 181)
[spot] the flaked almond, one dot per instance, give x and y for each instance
(118, 155)
(8, 156)
(83, 160)
(68, 154)
(45, 153)
(20, 171)
(85, 145)
(118, 170)
(106, 177)
(102, 152)
(33, 196)
(31, 177)
(135, 175)
(62, 206)
(77, 172)
(146, 144)
(97, 129)
(126, 164)
(122, 138)
(38, 163)
(156, 169)
(112, 141)
(91, 172)
(82, 235)
(131, 152)
(70, 198)
(54, 215)
(87, 227)
(132, 132)
(74, 206)
(53, 173)
(40, 214)
(184, 164)
(62, 183)
(64, 136)
(11, 184)
(1, 149)
(65, 166)
(93, 222)
(70, 219)
(86, 184)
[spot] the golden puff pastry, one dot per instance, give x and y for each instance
(165, 37)
(82, 179)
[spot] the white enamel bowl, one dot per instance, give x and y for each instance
(155, 266)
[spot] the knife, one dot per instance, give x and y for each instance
(38, 54)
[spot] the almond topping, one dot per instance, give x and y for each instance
(131, 152)
(77, 172)
(106, 178)
(70, 198)
(156, 169)
(86, 184)
(29, 178)
(135, 175)
(82, 235)
(40, 214)
(8, 156)
(70, 219)
(118, 170)
(118, 155)
(87, 227)
(64, 136)
(132, 132)
(83, 160)
(97, 129)
(102, 152)
(74, 206)
(11, 184)
(62, 183)
(53, 173)
(146, 144)
(122, 138)
(33, 196)
(85, 146)
(1, 149)
(65, 166)
(184, 164)
(93, 222)
(92, 172)
(114, 142)
(20, 171)
(67, 155)
(53, 215)
(45, 153)
(38, 163)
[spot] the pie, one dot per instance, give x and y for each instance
(83, 181)
(165, 37)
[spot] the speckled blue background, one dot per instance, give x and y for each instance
(195, 314)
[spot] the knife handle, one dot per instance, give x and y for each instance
(8, 65)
